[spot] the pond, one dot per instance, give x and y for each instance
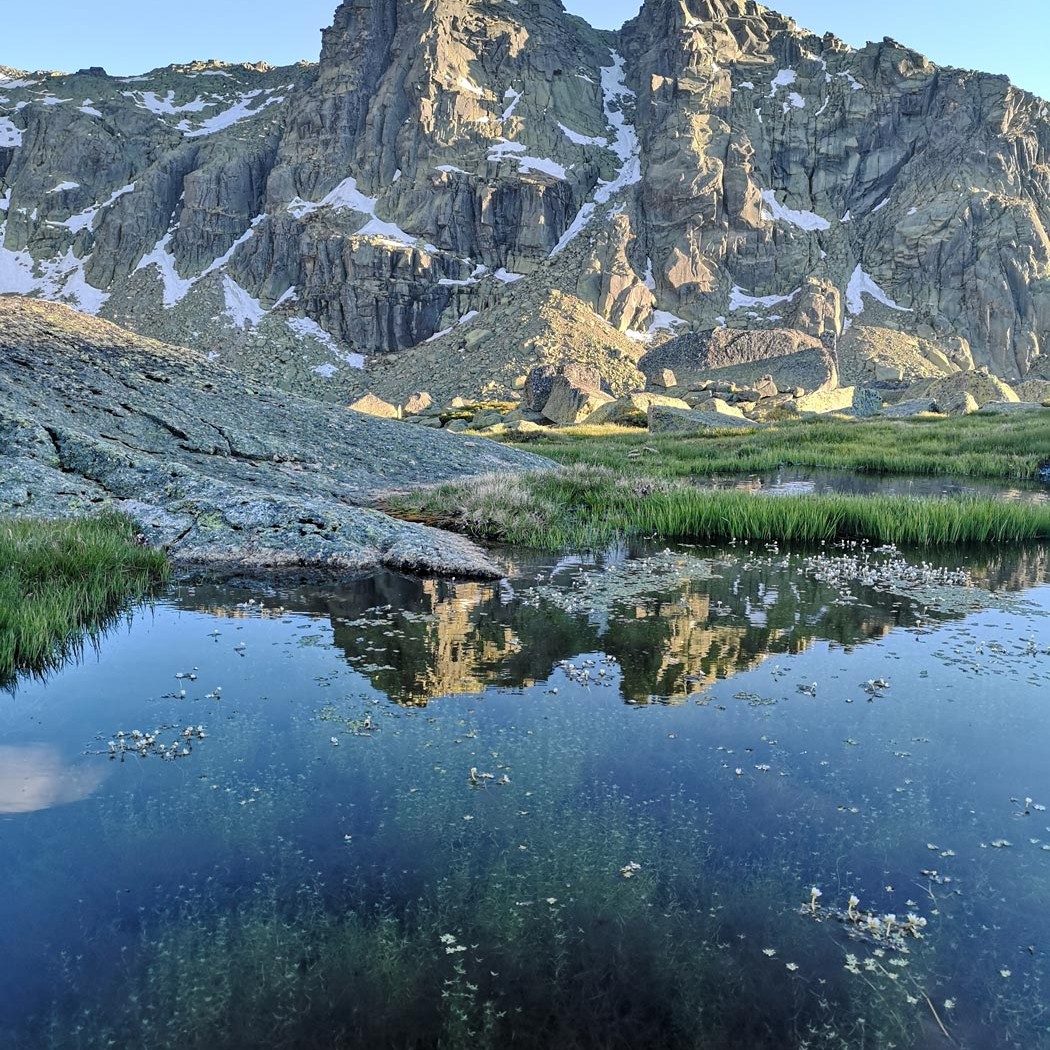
(700, 797)
(795, 481)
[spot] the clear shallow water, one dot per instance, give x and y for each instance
(337, 863)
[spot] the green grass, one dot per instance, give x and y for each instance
(60, 580)
(1003, 446)
(586, 506)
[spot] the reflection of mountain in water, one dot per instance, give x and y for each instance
(672, 632)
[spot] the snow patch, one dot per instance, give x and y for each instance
(346, 196)
(10, 136)
(583, 216)
(165, 106)
(804, 220)
(740, 300)
(785, 78)
(241, 308)
(861, 284)
(506, 276)
(176, 288)
(515, 97)
(85, 220)
(583, 140)
(308, 328)
(63, 186)
(468, 85)
(241, 110)
(664, 321)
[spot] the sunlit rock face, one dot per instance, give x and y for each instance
(448, 161)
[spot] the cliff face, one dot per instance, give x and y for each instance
(450, 163)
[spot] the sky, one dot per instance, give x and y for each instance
(135, 36)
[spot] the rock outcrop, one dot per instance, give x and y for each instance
(450, 172)
(222, 473)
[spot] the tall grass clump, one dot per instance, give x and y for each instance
(1009, 447)
(62, 579)
(585, 506)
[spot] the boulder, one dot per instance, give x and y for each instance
(371, 405)
(914, 406)
(866, 402)
(716, 404)
(570, 403)
(665, 420)
(524, 426)
(766, 387)
(417, 404)
(665, 379)
(1033, 390)
(965, 392)
(821, 401)
(1001, 407)
(631, 410)
(485, 418)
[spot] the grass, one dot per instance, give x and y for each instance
(586, 506)
(60, 579)
(1001, 446)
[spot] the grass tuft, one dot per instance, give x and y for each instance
(1012, 446)
(62, 579)
(586, 506)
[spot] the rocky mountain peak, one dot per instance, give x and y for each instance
(453, 165)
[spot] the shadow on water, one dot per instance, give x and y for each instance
(583, 807)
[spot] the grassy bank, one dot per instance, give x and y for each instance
(995, 446)
(62, 579)
(584, 506)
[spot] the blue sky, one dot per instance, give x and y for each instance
(134, 36)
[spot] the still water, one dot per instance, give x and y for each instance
(718, 798)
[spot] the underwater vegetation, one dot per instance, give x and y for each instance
(711, 797)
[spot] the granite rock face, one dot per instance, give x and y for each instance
(447, 166)
(222, 473)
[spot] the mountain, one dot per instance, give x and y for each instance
(461, 188)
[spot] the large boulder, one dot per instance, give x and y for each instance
(866, 402)
(665, 420)
(371, 405)
(223, 472)
(632, 410)
(820, 401)
(1002, 407)
(964, 392)
(417, 404)
(696, 355)
(1033, 390)
(914, 406)
(571, 402)
(537, 389)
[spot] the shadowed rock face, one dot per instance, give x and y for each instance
(710, 163)
(223, 473)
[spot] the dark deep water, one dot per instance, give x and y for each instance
(584, 807)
